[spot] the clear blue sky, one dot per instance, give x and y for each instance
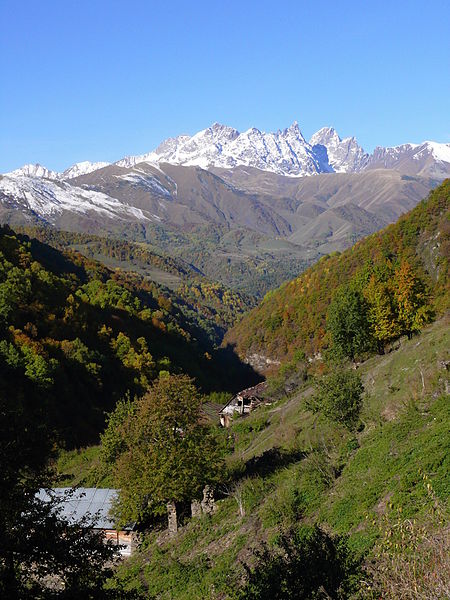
(99, 79)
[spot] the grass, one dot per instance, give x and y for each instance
(81, 467)
(293, 467)
(389, 465)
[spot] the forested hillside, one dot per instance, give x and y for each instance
(398, 278)
(80, 335)
(326, 487)
(216, 303)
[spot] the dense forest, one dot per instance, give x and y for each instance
(217, 303)
(83, 335)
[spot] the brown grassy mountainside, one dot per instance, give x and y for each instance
(293, 317)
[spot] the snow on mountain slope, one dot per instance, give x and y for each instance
(36, 170)
(48, 199)
(285, 152)
(145, 182)
(342, 155)
(82, 168)
(440, 152)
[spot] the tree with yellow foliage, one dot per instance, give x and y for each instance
(411, 299)
(382, 315)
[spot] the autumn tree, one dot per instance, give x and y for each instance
(382, 311)
(411, 299)
(167, 454)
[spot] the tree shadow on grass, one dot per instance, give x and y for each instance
(271, 461)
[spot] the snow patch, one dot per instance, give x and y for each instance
(145, 181)
(49, 199)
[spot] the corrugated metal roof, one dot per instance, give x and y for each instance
(93, 503)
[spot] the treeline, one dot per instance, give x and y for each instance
(81, 336)
(218, 305)
(386, 285)
(114, 248)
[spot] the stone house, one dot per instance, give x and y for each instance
(242, 403)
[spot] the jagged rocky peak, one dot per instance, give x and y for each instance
(285, 152)
(219, 130)
(36, 170)
(82, 168)
(340, 155)
(170, 144)
(324, 136)
(216, 135)
(293, 132)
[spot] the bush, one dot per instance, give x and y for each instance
(306, 563)
(338, 397)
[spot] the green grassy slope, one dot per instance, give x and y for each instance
(295, 467)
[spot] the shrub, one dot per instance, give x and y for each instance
(338, 397)
(306, 563)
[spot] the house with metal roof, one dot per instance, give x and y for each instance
(92, 506)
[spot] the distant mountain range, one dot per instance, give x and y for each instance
(234, 204)
(75, 170)
(284, 152)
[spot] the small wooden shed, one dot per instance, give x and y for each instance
(94, 504)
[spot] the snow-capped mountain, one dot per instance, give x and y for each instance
(37, 170)
(284, 152)
(82, 168)
(342, 155)
(428, 158)
(288, 153)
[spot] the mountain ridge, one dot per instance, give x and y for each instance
(248, 228)
(284, 152)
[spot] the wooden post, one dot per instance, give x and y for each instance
(172, 518)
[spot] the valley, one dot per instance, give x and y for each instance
(227, 223)
(137, 298)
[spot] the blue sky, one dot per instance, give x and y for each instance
(99, 79)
